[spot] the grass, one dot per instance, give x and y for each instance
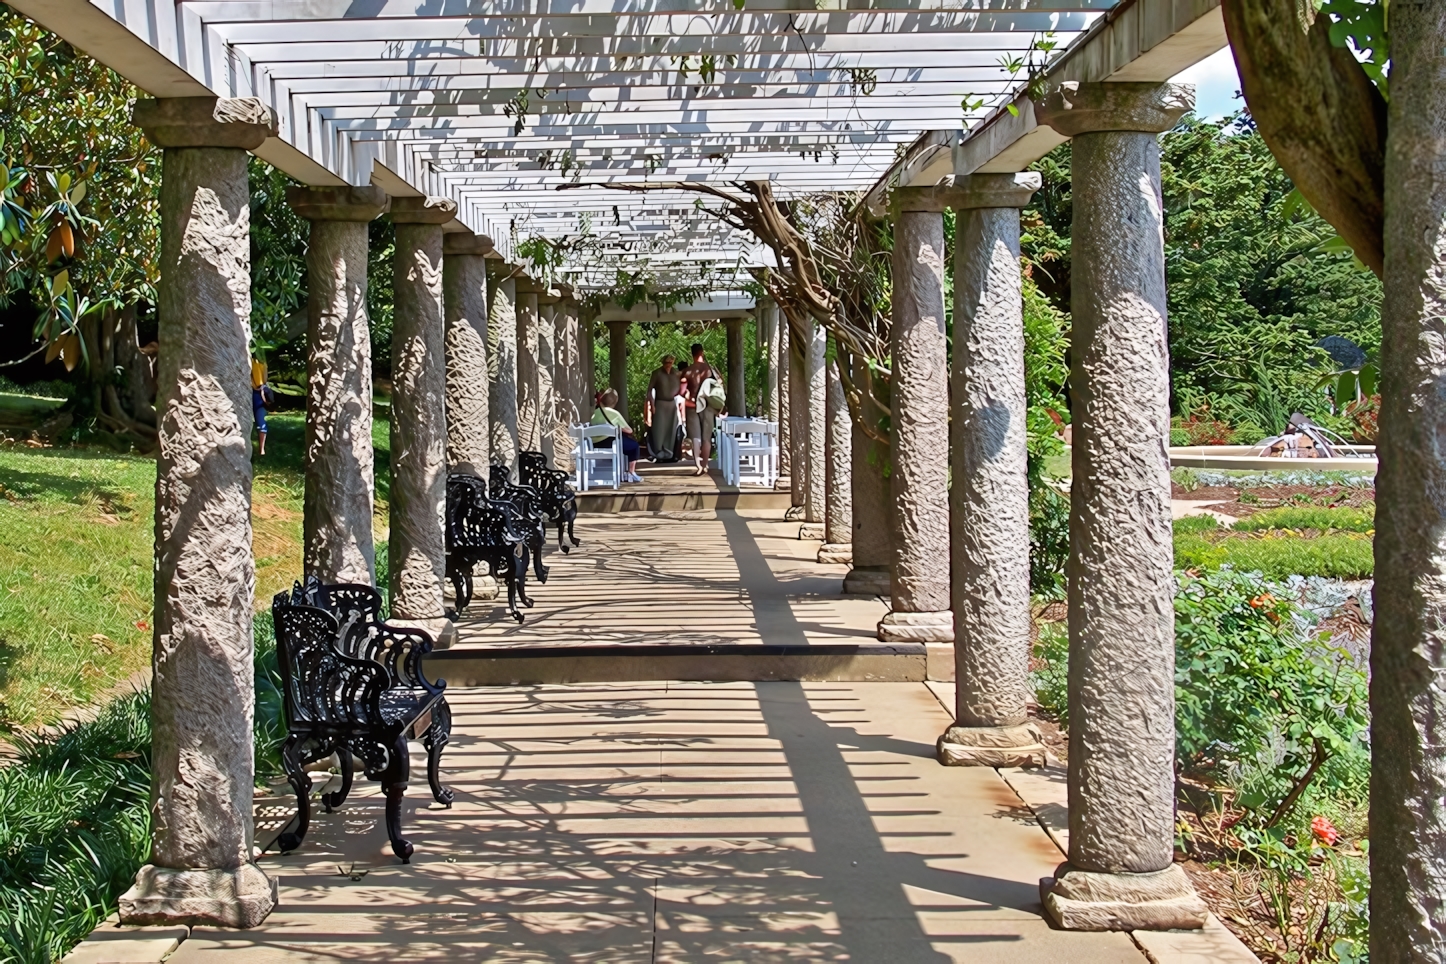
(75, 828)
(1276, 549)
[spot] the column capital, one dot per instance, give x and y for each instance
(548, 296)
(1085, 108)
(241, 122)
(967, 191)
(529, 286)
(423, 210)
(465, 242)
(364, 203)
(618, 324)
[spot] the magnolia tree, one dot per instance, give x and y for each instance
(79, 221)
(1353, 104)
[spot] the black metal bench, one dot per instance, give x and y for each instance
(528, 504)
(555, 497)
(353, 685)
(482, 530)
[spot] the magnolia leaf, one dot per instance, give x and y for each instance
(78, 195)
(1367, 380)
(52, 352)
(69, 350)
(63, 184)
(55, 244)
(67, 240)
(61, 283)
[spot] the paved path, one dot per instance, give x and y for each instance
(680, 822)
(685, 577)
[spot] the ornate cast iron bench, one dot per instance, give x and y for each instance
(482, 530)
(352, 685)
(528, 503)
(555, 497)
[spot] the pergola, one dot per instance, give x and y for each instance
(462, 119)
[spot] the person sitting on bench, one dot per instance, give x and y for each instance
(607, 414)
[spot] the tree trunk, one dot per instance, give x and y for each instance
(1319, 113)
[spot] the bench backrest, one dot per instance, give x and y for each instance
(320, 684)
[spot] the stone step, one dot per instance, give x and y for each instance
(664, 498)
(828, 662)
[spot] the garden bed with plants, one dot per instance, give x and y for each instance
(1273, 753)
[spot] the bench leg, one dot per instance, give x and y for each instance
(570, 520)
(435, 739)
(519, 576)
(301, 783)
(537, 565)
(462, 589)
(394, 785)
(561, 531)
(333, 800)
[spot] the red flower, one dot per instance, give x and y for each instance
(142, 625)
(1324, 831)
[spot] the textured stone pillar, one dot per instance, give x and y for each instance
(1408, 662)
(464, 302)
(873, 530)
(785, 433)
(737, 399)
(838, 464)
(1120, 873)
(767, 315)
(464, 297)
(815, 367)
(529, 436)
(919, 429)
(546, 389)
(587, 347)
(797, 356)
(618, 363)
(416, 550)
(202, 693)
(567, 379)
(989, 494)
(502, 364)
(340, 474)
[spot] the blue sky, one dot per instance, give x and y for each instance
(1216, 83)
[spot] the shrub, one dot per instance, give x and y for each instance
(1337, 556)
(1048, 541)
(1050, 670)
(76, 829)
(1309, 517)
(1196, 523)
(1200, 429)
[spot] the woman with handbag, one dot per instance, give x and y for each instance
(261, 398)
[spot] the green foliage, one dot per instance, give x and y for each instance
(1300, 517)
(269, 725)
(1251, 686)
(1253, 285)
(381, 251)
(1050, 672)
(278, 260)
(1337, 556)
(1048, 540)
(649, 341)
(76, 828)
(79, 203)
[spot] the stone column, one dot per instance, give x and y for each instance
(767, 315)
(838, 462)
(567, 377)
(502, 364)
(464, 301)
(340, 474)
(989, 494)
(1120, 873)
(815, 420)
(1408, 706)
(737, 399)
(618, 363)
(586, 319)
(529, 438)
(781, 366)
(417, 550)
(546, 390)
(798, 421)
(873, 531)
(464, 297)
(919, 429)
(202, 694)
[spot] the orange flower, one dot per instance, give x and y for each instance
(1324, 831)
(1261, 601)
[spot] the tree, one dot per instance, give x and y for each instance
(79, 231)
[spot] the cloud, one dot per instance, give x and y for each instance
(1216, 85)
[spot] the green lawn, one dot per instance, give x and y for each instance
(1291, 540)
(75, 562)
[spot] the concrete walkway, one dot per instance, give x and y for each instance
(683, 578)
(679, 822)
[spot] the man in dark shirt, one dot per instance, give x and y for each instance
(700, 417)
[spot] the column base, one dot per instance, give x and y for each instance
(868, 581)
(793, 514)
(484, 588)
(226, 898)
(782, 484)
(811, 530)
(442, 630)
(935, 627)
(992, 746)
(1081, 900)
(836, 553)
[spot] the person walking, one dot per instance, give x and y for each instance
(260, 392)
(700, 415)
(607, 414)
(660, 410)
